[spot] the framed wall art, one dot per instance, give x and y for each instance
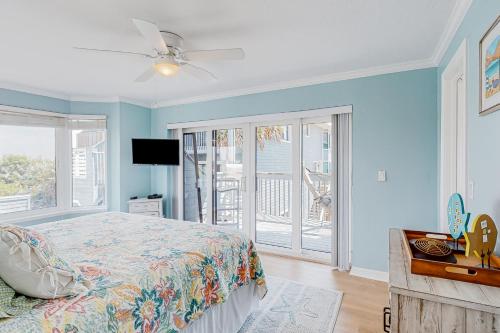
(489, 69)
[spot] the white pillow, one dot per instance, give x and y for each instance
(29, 264)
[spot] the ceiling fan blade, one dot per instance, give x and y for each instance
(112, 51)
(209, 55)
(147, 75)
(152, 34)
(199, 73)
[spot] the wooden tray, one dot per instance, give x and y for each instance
(454, 267)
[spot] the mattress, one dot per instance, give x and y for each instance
(149, 275)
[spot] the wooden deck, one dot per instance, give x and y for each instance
(274, 230)
(277, 231)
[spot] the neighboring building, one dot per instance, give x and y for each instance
(89, 168)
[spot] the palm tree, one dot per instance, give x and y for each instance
(264, 134)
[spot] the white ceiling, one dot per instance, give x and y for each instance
(284, 40)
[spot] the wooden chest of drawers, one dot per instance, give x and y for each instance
(428, 304)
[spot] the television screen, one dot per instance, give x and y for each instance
(155, 151)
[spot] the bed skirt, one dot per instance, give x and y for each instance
(229, 316)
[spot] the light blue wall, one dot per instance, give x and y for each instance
(394, 128)
(31, 101)
(124, 122)
(483, 133)
(162, 179)
(135, 122)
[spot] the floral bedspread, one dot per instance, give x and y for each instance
(148, 274)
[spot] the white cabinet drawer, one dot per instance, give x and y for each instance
(148, 213)
(148, 207)
(138, 207)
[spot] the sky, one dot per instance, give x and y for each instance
(31, 141)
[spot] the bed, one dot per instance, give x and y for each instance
(149, 274)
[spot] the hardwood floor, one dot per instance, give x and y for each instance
(363, 300)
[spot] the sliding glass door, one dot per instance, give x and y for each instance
(196, 170)
(214, 181)
(273, 185)
(277, 181)
(294, 203)
(317, 190)
(228, 177)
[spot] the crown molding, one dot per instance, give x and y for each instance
(455, 20)
(112, 99)
(136, 102)
(70, 98)
(32, 90)
(327, 78)
(94, 99)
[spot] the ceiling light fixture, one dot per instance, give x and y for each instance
(170, 58)
(167, 67)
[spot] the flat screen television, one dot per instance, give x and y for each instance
(155, 151)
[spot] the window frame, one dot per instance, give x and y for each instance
(70, 167)
(64, 171)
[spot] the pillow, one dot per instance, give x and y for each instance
(29, 264)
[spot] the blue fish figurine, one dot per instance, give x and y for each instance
(458, 219)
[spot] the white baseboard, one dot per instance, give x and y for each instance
(370, 274)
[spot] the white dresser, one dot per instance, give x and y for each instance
(144, 206)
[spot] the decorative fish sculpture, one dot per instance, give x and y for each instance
(482, 238)
(457, 218)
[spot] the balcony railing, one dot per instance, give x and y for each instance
(15, 203)
(273, 210)
(274, 193)
(273, 203)
(201, 142)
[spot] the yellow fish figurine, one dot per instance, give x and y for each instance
(482, 238)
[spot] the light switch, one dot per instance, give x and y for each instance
(381, 177)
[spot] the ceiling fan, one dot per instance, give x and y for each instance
(169, 57)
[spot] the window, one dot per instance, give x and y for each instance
(27, 168)
(89, 186)
(50, 163)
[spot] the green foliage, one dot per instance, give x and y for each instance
(8, 189)
(20, 174)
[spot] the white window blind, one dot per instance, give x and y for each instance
(84, 122)
(344, 191)
(50, 119)
(31, 119)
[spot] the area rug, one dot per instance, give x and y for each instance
(292, 307)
